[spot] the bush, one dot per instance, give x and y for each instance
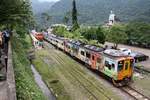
(26, 87)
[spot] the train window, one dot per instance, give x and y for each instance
(93, 57)
(113, 66)
(126, 65)
(82, 53)
(99, 60)
(120, 65)
(108, 65)
(68, 47)
(87, 55)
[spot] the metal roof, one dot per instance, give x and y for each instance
(114, 53)
(94, 48)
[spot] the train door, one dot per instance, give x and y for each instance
(82, 54)
(93, 61)
(88, 56)
(75, 49)
(127, 68)
(68, 47)
(100, 63)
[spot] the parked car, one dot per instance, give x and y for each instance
(139, 56)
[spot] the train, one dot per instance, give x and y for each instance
(37, 39)
(110, 62)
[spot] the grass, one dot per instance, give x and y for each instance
(62, 73)
(50, 78)
(142, 84)
(26, 87)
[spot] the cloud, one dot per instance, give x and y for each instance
(49, 0)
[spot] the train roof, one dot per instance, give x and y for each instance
(115, 53)
(58, 38)
(75, 42)
(94, 48)
(33, 37)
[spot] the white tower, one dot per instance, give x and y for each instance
(111, 18)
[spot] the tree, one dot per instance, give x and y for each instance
(117, 35)
(89, 33)
(100, 35)
(96, 34)
(138, 33)
(16, 14)
(74, 17)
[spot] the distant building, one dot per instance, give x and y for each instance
(112, 19)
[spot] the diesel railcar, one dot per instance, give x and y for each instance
(112, 63)
(38, 44)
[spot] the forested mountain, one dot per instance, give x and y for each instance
(40, 7)
(97, 11)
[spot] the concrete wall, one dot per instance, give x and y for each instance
(10, 76)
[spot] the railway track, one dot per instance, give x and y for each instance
(129, 90)
(76, 73)
(141, 70)
(134, 93)
(83, 81)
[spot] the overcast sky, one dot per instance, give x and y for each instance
(49, 0)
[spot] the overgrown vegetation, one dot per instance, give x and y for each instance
(26, 87)
(49, 75)
(91, 35)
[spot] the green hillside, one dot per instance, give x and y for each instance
(97, 11)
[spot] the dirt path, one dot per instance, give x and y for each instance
(137, 49)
